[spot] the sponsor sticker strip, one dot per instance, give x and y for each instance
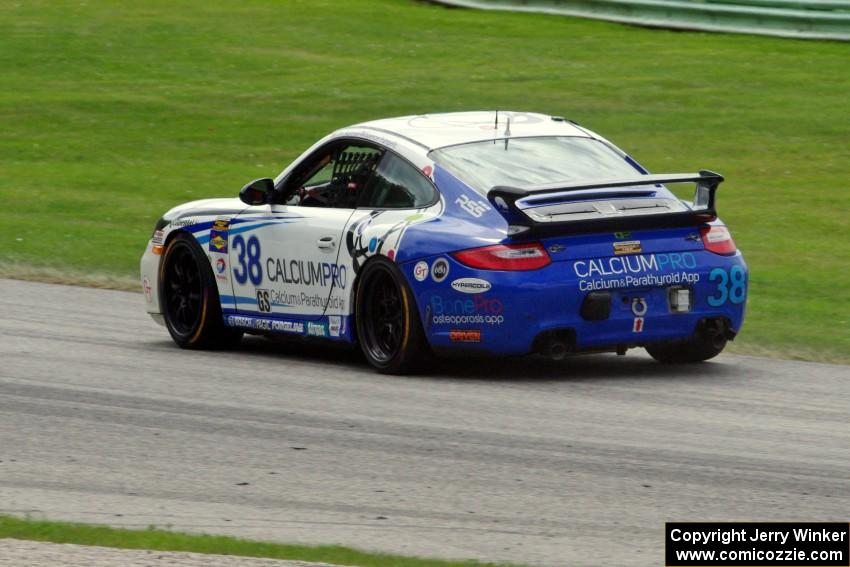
(336, 325)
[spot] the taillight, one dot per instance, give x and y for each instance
(511, 257)
(717, 239)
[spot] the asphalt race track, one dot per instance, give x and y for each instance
(104, 420)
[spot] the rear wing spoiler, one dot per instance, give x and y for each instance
(505, 199)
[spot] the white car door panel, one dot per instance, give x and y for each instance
(284, 261)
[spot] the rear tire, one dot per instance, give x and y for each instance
(707, 343)
(189, 298)
(388, 327)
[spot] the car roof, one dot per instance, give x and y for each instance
(432, 131)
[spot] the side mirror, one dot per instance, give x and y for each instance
(257, 192)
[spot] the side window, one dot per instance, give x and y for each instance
(396, 184)
(333, 177)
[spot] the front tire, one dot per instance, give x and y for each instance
(388, 326)
(190, 302)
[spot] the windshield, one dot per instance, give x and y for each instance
(521, 162)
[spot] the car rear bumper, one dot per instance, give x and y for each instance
(518, 310)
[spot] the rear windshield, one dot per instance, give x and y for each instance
(531, 161)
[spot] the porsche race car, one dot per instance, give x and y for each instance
(496, 233)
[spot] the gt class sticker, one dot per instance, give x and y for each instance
(420, 271)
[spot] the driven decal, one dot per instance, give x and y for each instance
(465, 336)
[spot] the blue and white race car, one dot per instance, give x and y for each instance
(501, 233)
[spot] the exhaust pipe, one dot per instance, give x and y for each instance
(715, 332)
(556, 345)
(557, 350)
(718, 340)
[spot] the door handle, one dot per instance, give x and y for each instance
(326, 242)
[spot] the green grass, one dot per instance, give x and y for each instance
(162, 540)
(113, 112)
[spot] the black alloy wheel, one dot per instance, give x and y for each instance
(388, 325)
(183, 291)
(189, 298)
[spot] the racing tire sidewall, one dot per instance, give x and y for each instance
(209, 331)
(413, 354)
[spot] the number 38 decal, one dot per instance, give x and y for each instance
(252, 268)
(731, 286)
